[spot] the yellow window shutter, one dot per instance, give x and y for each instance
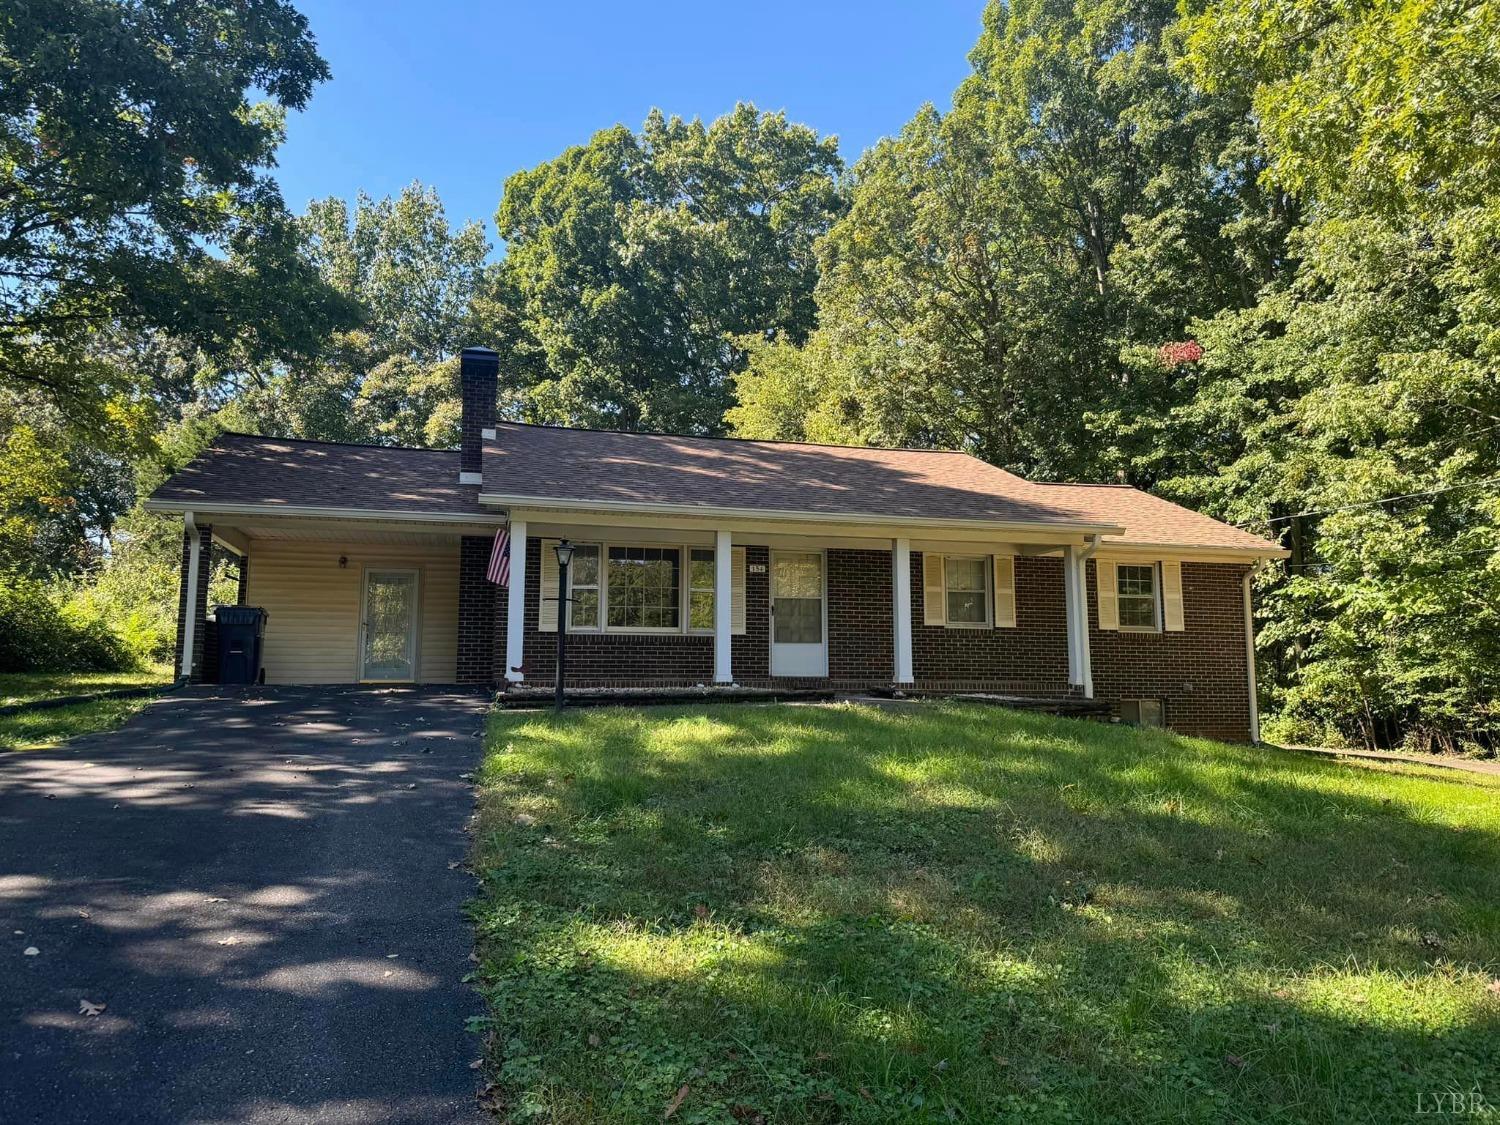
(547, 612)
(737, 590)
(1109, 595)
(1171, 596)
(933, 610)
(1005, 591)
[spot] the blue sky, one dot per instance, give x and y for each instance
(461, 94)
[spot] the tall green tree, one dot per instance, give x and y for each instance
(641, 258)
(427, 289)
(1359, 402)
(133, 190)
(1002, 264)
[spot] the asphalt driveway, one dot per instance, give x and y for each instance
(261, 890)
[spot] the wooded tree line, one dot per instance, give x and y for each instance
(1242, 253)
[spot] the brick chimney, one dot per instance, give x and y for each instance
(479, 374)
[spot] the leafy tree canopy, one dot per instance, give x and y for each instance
(639, 258)
(132, 190)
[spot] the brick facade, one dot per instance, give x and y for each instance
(476, 610)
(1030, 659)
(1199, 674)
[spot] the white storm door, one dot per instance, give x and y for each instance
(798, 622)
(388, 633)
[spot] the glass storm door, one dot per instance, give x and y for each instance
(388, 651)
(797, 640)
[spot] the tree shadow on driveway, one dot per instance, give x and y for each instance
(261, 889)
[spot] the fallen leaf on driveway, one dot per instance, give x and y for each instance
(89, 1008)
(676, 1103)
(30, 951)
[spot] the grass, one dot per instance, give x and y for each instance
(37, 730)
(27, 687)
(819, 914)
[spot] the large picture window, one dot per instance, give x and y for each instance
(966, 583)
(644, 588)
(1136, 586)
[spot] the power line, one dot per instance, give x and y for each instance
(1372, 503)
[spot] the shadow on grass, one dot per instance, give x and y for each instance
(851, 914)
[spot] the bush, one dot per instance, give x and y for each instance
(39, 632)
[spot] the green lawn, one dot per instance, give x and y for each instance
(24, 687)
(961, 913)
(35, 730)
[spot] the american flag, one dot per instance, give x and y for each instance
(499, 571)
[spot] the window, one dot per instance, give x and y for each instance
(583, 578)
(1137, 589)
(644, 588)
(966, 582)
(1142, 712)
(701, 588)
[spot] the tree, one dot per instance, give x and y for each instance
(640, 259)
(428, 290)
(131, 191)
(1000, 265)
(1360, 399)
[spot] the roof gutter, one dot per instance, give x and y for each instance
(864, 518)
(313, 512)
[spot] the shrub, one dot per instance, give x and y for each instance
(39, 632)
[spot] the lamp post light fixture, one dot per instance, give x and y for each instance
(564, 551)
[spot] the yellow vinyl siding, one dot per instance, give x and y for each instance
(312, 636)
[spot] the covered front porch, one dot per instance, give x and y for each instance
(654, 601)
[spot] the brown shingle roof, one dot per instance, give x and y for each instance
(662, 469)
(554, 463)
(1151, 521)
(293, 473)
(775, 476)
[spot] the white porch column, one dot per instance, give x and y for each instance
(901, 609)
(1071, 590)
(1081, 614)
(190, 604)
(515, 611)
(723, 607)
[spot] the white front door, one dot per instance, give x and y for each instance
(388, 633)
(798, 633)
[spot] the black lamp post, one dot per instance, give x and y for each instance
(564, 551)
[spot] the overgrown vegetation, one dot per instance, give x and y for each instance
(956, 913)
(1240, 252)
